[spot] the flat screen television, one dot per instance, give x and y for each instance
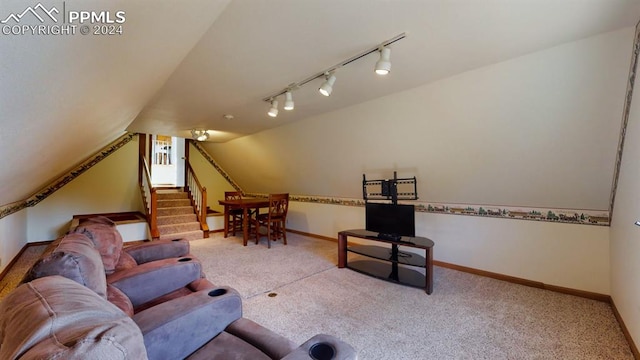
(389, 220)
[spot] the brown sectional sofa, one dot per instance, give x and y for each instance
(158, 306)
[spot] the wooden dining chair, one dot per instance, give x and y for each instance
(235, 214)
(275, 220)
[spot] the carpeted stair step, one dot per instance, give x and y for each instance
(172, 195)
(178, 210)
(173, 203)
(178, 228)
(189, 235)
(177, 219)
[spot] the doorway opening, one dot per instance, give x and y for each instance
(167, 161)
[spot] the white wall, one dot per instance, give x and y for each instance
(215, 222)
(567, 255)
(625, 236)
(134, 231)
(163, 174)
(540, 130)
(109, 186)
(13, 236)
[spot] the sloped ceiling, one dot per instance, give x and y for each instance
(181, 65)
(63, 97)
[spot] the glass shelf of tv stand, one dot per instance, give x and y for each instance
(386, 271)
(384, 253)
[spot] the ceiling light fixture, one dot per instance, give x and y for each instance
(273, 111)
(200, 135)
(288, 101)
(381, 65)
(327, 86)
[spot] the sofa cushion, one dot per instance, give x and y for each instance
(75, 258)
(106, 239)
(56, 318)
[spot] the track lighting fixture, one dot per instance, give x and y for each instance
(383, 66)
(199, 135)
(327, 86)
(273, 111)
(288, 101)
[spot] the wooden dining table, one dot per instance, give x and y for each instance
(246, 204)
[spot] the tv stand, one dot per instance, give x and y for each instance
(384, 263)
(391, 237)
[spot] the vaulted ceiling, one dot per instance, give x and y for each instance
(183, 65)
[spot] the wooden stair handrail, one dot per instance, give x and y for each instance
(198, 196)
(149, 197)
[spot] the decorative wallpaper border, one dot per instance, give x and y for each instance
(570, 216)
(625, 116)
(57, 184)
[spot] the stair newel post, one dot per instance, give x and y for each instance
(153, 221)
(198, 196)
(203, 212)
(187, 163)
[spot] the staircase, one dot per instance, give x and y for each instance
(176, 217)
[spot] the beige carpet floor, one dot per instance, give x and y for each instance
(466, 317)
(297, 291)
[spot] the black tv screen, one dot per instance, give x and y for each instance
(389, 219)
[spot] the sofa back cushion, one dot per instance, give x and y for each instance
(56, 318)
(106, 239)
(74, 257)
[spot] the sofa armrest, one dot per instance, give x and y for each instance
(323, 347)
(179, 327)
(158, 250)
(149, 281)
(274, 345)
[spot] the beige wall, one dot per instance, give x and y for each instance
(210, 178)
(625, 236)
(109, 186)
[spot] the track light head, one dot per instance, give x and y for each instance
(288, 101)
(327, 87)
(273, 111)
(383, 66)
